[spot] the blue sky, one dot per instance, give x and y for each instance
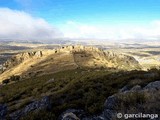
(94, 15)
(91, 11)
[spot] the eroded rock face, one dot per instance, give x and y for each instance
(19, 58)
(38, 54)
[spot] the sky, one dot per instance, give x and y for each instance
(118, 20)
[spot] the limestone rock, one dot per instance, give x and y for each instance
(38, 54)
(72, 114)
(136, 88)
(111, 102)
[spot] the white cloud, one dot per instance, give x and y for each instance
(20, 25)
(74, 29)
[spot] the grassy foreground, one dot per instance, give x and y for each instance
(85, 89)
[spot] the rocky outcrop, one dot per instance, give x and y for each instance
(19, 58)
(44, 103)
(72, 114)
(122, 61)
(112, 105)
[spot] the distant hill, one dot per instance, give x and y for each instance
(31, 64)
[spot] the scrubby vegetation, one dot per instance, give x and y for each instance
(136, 102)
(85, 89)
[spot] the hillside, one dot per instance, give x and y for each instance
(76, 83)
(37, 63)
(81, 95)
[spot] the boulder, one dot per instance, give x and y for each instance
(110, 107)
(136, 88)
(72, 114)
(111, 102)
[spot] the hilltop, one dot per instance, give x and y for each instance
(36, 63)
